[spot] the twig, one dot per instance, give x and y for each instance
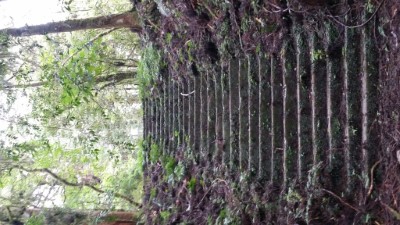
(358, 25)
(190, 93)
(371, 186)
(341, 200)
(153, 24)
(209, 10)
(216, 181)
(238, 31)
(392, 211)
(88, 43)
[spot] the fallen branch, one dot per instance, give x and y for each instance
(66, 182)
(371, 186)
(216, 181)
(392, 211)
(341, 200)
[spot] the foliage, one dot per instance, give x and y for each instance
(154, 153)
(192, 184)
(4, 44)
(81, 120)
(148, 69)
(165, 215)
(76, 74)
(123, 178)
(35, 220)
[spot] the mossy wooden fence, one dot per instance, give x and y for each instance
(302, 120)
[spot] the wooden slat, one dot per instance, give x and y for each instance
(196, 111)
(352, 95)
(253, 114)
(276, 122)
(243, 116)
(211, 108)
(264, 105)
(185, 111)
(166, 114)
(219, 123)
(290, 116)
(334, 90)
(318, 102)
(303, 88)
(204, 118)
(170, 116)
(161, 117)
(225, 91)
(234, 113)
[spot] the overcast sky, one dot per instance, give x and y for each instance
(18, 13)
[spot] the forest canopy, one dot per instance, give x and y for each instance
(70, 116)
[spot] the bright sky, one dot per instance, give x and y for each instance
(18, 13)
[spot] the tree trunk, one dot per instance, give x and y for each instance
(16, 86)
(124, 20)
(115, 78)
(61, 216)
(112, 78)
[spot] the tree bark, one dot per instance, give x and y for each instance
(112, 78)
(123, 20)
(30, 85)
(115, 78)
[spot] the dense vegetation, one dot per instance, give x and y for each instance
(70, 122)
(239, 125)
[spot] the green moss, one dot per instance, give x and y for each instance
(293, 196)
(154, 153)
(153, 192)
(165, 215)
(169, 164)
(148, 69)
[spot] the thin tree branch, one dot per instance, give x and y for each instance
(66, 182)
(124, 20)
(88, 43)
(371, 180)
(341, 200)
(361, 24)
(37, 84)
